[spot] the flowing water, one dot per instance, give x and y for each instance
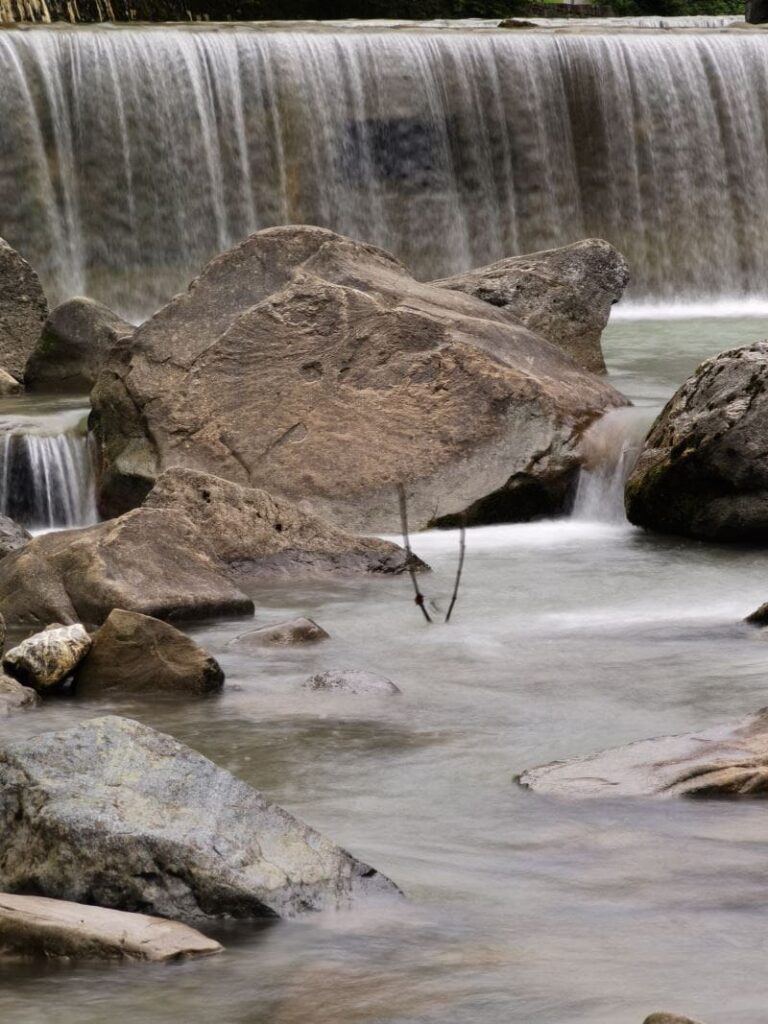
(129, 156)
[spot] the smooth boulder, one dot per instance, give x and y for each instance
(34, 926)
(15, 697)
(351, 680)
(116, 814)
(147, 561)
(282, 634)
(75, 341)
(252, 532)
(317, 368)
(702, 471)
(12, 536)
(23, 310)
(48, 658)
(564, 295)
(134, 653)
(728, 760)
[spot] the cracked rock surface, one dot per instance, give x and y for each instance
(23, 309)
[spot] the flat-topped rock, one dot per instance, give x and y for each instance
(34, 926)
(729, 760)
(23, 309)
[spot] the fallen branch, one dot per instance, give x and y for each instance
(459, 568)
(419, 597)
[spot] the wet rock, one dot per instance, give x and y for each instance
(12, 536)
(252, 532)
(9, 385)
(147, 561)
(728, 760)
(564, 295)
(23, 309)
(668, 1018)
(46, 659)
(352, 680)
(759, 617)
(380, 379)
(702, 471)
(34, 926)
(116, 814)
(15, 697)
(134, 653)
(75, 341)
(283, 634)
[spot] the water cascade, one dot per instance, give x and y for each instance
(128, 157)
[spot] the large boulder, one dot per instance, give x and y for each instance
(134, 653)
(252, 532)
(46, 659)
(147, 561)
(702, 471)
(317, 368)
(34, 926)
(725, 761)
(564, 295)
(23, 309)
(75, 342)
(113, 813)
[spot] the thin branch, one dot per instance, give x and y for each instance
(459, 568)
(410, 560)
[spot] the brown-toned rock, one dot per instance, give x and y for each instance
(9, 385)
(23, 309)
(15, 697)
(668, 1018)
(282, 634)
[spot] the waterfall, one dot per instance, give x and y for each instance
(129, 156)
(610, 448)
(46, 471)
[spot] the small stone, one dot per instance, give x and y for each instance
(15, 697)
(668, 1018)
(9, 385)
(282, 634)
(46, 659)
(352, 680)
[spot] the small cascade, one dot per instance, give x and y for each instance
(610, 448)
(46, 470)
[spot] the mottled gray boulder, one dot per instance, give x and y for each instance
(134, 653)
(48, 658)
(113, 813)
(9, 385)
(15, 697)
(317, 368)
(282, 634)
(252, 532)
(23, 309)
(147, 561)
(728, 760)
(34, 926)
(74, 344)
(702, 471)
(351, 680)
(565, 295)
(668, 1018)
(12, 536)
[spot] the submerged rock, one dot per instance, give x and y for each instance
(15, 697)
(75, 341)
(34, 926)
(46, 659)
(380, 379)
(12, 536)
(134, 653)
(564, 295)
(668, 1018)
(352, 680)
(283, 634)
(23, 309)
(702, 471)
(148, 561)
(116, 814)
(252, 532)
(725, 761)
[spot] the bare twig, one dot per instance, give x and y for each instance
(460, 566)
(419, 597)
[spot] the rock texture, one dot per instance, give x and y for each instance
(668, 1018)
(703, 471)
(564, 295)
(75, 342)
(9, 385)
(12, 536)
(726, 761)
(252, 532)
(352, 680)
(134, 653)
(147, 561)
(46, 659)
(317, 368)
(34, 926)
(113, 813)
(15, 697)
(282, 634)
(23, 309)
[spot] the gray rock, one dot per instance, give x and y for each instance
(352, 680)
(702, 471)
(15, 697)
(564, 295)
(252, 532)
(728, 760)
(46, 659)
(12, 536)
(380, 379)
(23, 309)
(282, 634)
(116, 814)
(34, 926)
(134, 653)
(147, 561)
(75, 342)
(9, 385)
